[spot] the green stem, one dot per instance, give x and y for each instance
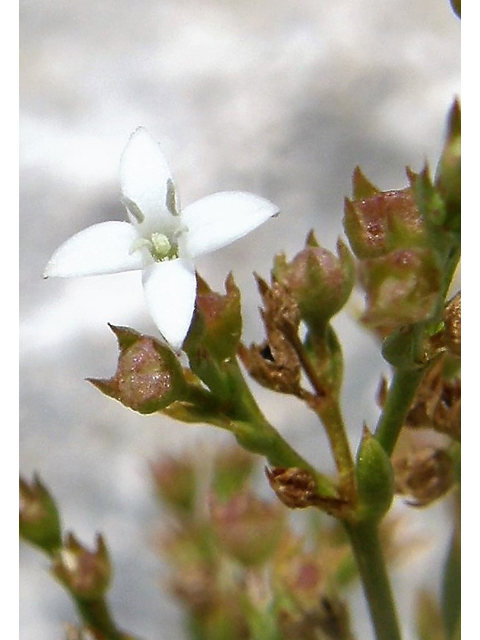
(399, 400)
(253, 432)
(96, 615)
(328, 410)
(371, 566)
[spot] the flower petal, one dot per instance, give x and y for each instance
(221, 218)
(170, 289)
(99, 249)
(147, 185)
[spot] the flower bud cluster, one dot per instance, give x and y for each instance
(238, 563)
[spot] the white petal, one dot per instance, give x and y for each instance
(170, 289)
(221, 218)
(101, 248)
(146, 181)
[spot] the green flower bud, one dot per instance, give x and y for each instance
(448, 174)
(39, 519)
(247, 527)
(148, 378)
(85, 573)
(217, 323)
(318, 281)
(375, 481)
(402, 287)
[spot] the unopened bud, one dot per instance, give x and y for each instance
(374, 478)
(380, 223)
(402, 287)
(85, 573)
(448, 174)
(39, 519)
(247, 527)
(319, 282)
(217, 323)
(148, 378)
(176, 482)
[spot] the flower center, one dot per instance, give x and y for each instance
(161, 246)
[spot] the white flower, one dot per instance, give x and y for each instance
(159, 238)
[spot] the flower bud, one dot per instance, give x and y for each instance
(402, 287)
(375, 484)
(318, 281)
(85, 573)
(148, 378)
(175, 481)
(217, 323)
(39, 519)
(448, 174)
(380, 223)
(247, 527)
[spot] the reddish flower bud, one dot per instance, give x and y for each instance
(85, 573)
(39, 519)
(149, 377)
(380, 223)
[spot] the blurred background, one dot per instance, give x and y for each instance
(279, 97)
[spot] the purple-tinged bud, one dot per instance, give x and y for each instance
(217, 323)
(402, 287)
(85, 573)
(39, 519)
(175, 481)
(246, 527)
(380, 223)
(318, 281)
(148, 378)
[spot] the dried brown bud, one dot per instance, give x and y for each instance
(437, 403)
(296, 488)
(148, 378)
(425, 475)
(274, 365)
(85, 573)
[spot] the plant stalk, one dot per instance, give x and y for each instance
(366, 547)
(399, 400)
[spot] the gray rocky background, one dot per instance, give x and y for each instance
(279, 97)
